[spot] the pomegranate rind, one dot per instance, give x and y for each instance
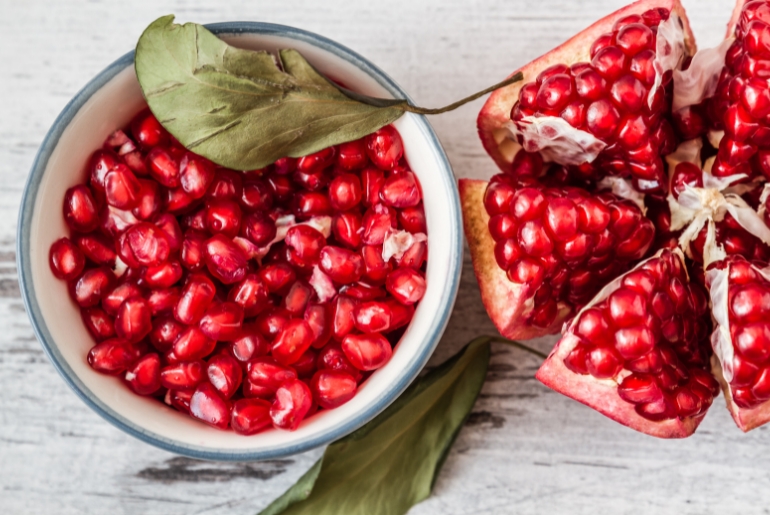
(745, 418)
(602, 395)
(505, 301)
(496, 113)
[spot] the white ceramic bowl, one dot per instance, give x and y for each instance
(107, 103)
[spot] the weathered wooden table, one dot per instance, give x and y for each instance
(525, 449)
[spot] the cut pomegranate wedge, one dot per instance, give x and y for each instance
(638, 352)
(740, 295)
(596, 103)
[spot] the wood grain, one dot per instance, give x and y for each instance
(525, 449)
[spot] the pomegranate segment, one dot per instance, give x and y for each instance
(243, 295)
(639, 353)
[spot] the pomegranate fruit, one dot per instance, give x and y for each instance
(246, 300)
(620, 145)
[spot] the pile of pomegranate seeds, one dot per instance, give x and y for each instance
(615, 98)
(244, 299)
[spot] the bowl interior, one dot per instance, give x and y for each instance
(101, 109)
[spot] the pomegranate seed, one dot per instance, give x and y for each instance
(376, 269)
(117, 295)
(259, 229)
(170, 227)
(96, 248)
(342, 265)
(80, 210)
(148, 200)
(113, 356)
(266, 373)
(401, 191)
(197, 294)
(225, 260)
(297, 298)
(345, 192)
(225, 374)
(193, 345)
(92, 285)
(134, 319)
(316, 161)
(412, 219)
(292, 403)
(164, 275)
(102, 162)
(308, 204)
(193, 250)
(272, 321)
(292, 341)
(179, 399)
(373, 317)
(250, 344)
(372, 180)
(177, 200)
(147, 131)
(367, 351)
(250, 293)
(305, 244)
(256, 196)
(331, 357)
(318, 319)
(250, 416)
(352, 155)
(163, 301)
(277, 276)
(163, 167)
(208, 406)
(332, 388)
(406, 285)
(144, 244)
(384, 147)
(99, 323)
(347, 228)
(196, 175)
(378, 220)
(343, 319)
(66, 259)
(183, 376)
(165, 331)
(144, 376)
(222, 321)
(306, 364)
(223, 216)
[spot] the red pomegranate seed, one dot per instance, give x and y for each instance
(193, 345)
(165, 331)
(96, 248)
(297, 298)
(306, 364)
(317, 161)
(196, 175)
(367, 351)
(197, 294)
(250, 416)
(183, 376)
(227, 185)
(258, 228)
(250, 344)
(412, 219)
(332, 389)
(308, 204)
(66, 259)
(343, 318)
(170, 227)
(318, 318)
(117, 295)
(376, 269)
(272, 321)
(163, 167)
(384, 147)
(400, 315)
(250, 293)
(134, 319)
(163, 301)
(277, 276)
(113, 356)
(304, 244)
(347, 228)
(177, 200)
(208, 406)
(80, 210)
(342, 265)
(101, 163)
(345, 192)
(401, 191)
(148, 200)
(362, 291)
(331, 357)
(378, 220)
(257, 196)
(115, 222)
(147, 131)
(99, 323)
(179, 399)
(144, 244)
(92, 285)
(144, 376)
(266, 373)
(222, 321)
(352, 155)
(373, 317)
(292, 403)
(193, 250)
(122, 188)
(372, 180)
(406, 285)
(225, 260)
(223, 216)
(164, 275)
(292, 341)
(225, 374)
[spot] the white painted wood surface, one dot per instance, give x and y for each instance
(525, 450)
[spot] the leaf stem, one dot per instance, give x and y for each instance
(422, 110)
(519, 345)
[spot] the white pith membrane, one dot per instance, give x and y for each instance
(699, 81)
(397, 242)
(559, 142)
(623, 188)
(322, 284)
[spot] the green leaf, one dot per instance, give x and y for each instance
(237, 107)
(391, 463)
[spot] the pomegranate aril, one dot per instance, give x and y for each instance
(149, 200)
(96, 248)
(92, 285)
(250, 416)
(80, 211)
(102, 162)
(223, 216)
(163, 301)
(147, 131)
(117, 295)
(225, 374)
(308, 204)
(305, 243)
(179, 399)
(225, 260)
(257, 196)
(250, 293)
(113, 356)
(66, 259)
(258, 228)
(165, 331)
(312, 180)
(144, 244)
(208, 406)
(266, 373)
(250, 344)
(351, 155)
(367, 351)
(292, 341)
(144, 376)
(345, 192)
(134, 319)
(306, 364)
(401, 191)
(332, 388)
(376, 269)
(292, 403)
(384, 147)
(197, 294)
(342, 265)
(277, 276)
(196, 175)
(222, 321)
(406, 285)
(343, 318)
(373, 317)
(193, 345)
(99, 323)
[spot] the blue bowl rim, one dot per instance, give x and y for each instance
(23, 249)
